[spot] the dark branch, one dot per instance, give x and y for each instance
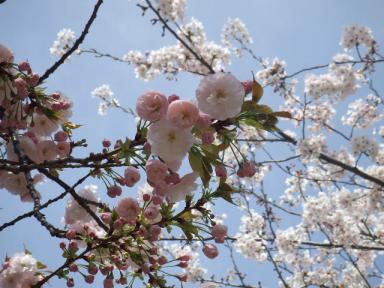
(75, 45)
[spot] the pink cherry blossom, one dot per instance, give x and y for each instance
(211, 251)
(247, 84)
(114, 191)
(6, 54)
(128, 208)
(47, 150)
(208, 137)
(172, 98)
(63, 149)
(169, 142)
(220, 95)
(183, 114)
(61, 136)
(204, 121)
(219, 232)
(156, 171)
(152, 106)
(131, 176)
(42, 125)
(186, 186)
(248, 169)
(221, 171)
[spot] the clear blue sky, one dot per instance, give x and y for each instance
(302, 32)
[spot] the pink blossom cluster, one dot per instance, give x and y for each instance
(35, 116)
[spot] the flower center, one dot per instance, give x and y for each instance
(171, 136)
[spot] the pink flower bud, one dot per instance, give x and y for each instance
(108, 283)
(62, 245)
(106, 217)
(61, 136)
(172, 98)
(248, 169)
(219, 232)
(73, 267)
(147, 148)
(34, 80)
(204, 121)
(208, 137)
(92, 269)
(221, 171)
(114, 191)
(70, 282)
(247, 84)
(162, 260)
(210, 250)
(89, 279)
(146, 197)
(56, 95)
(24, 66)
(152, 106)
(73, 246)
(131, 175)
(185, 258)
(71, 234)
(106, 143)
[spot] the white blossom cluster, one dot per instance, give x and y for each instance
(235, 30)
(364, 145)
(356, 35)
(363, 113)
(296, 186)
(172, 9)
(170, 60)
(65, 40)
(339, 82)
(311, 147)
(77, 218)
(250, 240)
(105, 93)
(320, 114)
(273, 72)
(20, 271)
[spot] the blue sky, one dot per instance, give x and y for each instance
(302, 32)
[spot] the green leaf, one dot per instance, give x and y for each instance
(257, 91)
(200, 165)
(41, 265)
(188, 228)
(284, 114)
(225, 191)
(50, 113)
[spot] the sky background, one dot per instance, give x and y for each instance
(303, 33)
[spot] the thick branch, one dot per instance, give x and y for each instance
(43, 206)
